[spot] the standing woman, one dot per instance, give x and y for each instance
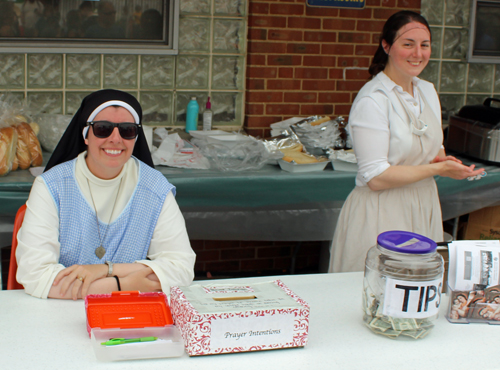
(101, 218)
(395, 124)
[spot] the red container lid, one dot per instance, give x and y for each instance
(126, 310)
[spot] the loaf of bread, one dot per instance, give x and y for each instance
(15, 162)
(320, 121)
(27, 136)
(23, 152)
(8, 142)
(302, 158)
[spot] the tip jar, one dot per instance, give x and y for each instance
(402, 285)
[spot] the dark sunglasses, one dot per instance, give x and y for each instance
(127, 130)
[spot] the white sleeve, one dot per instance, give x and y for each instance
(38, 246)
(369, 129)
(170, 254)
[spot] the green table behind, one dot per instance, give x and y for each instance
(269, 204)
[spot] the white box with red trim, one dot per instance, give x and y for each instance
(217, 319)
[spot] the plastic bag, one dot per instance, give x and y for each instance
(241, 153)
(19, 145)
(52, 127)
(176, 152)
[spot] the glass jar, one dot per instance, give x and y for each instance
(402, 285)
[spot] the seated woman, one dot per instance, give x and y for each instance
(100, 218)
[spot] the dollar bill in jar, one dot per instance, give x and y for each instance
(402, 285)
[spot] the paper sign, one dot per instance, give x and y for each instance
(412, 299)
(251, 331)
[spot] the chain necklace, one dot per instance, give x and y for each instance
(101, 251)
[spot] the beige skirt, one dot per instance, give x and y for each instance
(367, 213)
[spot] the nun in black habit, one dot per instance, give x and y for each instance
(101, 218)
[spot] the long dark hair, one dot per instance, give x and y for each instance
(389, 33)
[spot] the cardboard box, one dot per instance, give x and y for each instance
(132, 315)
(484, 224)
(227, 318)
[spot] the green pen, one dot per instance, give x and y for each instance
(115, 341)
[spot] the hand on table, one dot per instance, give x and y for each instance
(82, 276)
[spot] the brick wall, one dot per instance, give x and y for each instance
(306, 61)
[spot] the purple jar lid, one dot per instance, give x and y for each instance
(406, 242)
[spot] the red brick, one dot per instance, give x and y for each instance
(257, 34)
(335, 73)
(283, 263)
(376, 38)
(388, 3)
(342, 110)
(255, 84)
(266, 21)
(262, 72)
(263, 121)
(274, 252)
(204, 256)
(370, 26)
(254, 109)
(267, 47)
(354, 37)
(318, 109)
(258, 8)
(337, 49)
(366, 50)
(284, 60)
(285, 35)
(319, 61)
(256, 264)
(357, 74)
(222, 266)
(356, 13)
(375, 2)
(304, 23)
(264, 97)
(285, 73)
(255, 243)
(320, 11)
(291, 109)
(197, 245)
(256, 60)
(334, 97)
(303, 48)
(318, 36)
(287, 9)
(413, 4)
(311, 73)
(353, 62)
(384, 13)
(283, 84)
(221, 244)
(237, 253)
(300, 97)
(339, 24)
(318, 85)
(267, 131)
(256, 132)
(350, 85)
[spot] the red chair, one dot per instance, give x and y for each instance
(11, 279)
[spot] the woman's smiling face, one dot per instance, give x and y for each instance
(106, 157)
(410, 52)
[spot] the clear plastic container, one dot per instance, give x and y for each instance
(402, 285)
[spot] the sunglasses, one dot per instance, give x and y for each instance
(127, 130)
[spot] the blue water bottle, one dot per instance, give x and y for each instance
(192, 115)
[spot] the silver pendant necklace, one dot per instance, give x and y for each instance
(101, 251)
